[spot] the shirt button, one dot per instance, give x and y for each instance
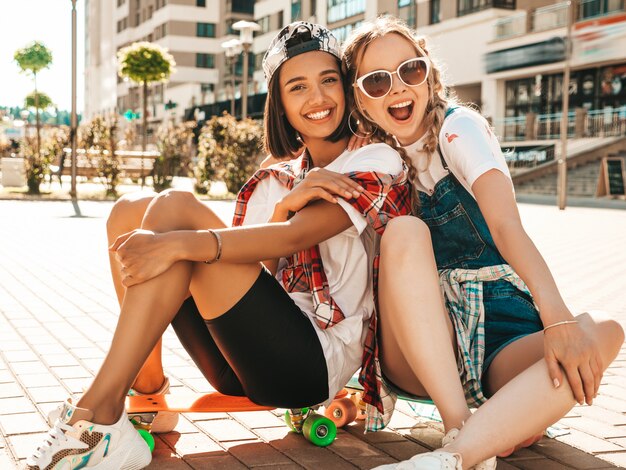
(430, 191)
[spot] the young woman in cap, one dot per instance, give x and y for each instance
(501, 318)
(287, 332)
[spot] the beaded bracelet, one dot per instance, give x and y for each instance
(565, 322)
(218, 254)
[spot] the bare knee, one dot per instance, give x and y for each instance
(127, 212)
(172, 209)
(402, 234)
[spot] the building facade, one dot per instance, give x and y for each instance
(505, 56)
(192, 30)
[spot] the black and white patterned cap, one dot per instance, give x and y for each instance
(297, 38)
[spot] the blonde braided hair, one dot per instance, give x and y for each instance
(354, 48)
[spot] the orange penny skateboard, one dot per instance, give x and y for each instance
(318, 429)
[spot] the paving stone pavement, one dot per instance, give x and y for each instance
(58, 312)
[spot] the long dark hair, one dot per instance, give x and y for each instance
(280, 138)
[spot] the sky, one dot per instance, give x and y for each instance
(48, 21)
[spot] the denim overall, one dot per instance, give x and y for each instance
(461, 239)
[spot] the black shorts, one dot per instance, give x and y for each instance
(264, 348)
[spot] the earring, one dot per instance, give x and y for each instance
(362, 136)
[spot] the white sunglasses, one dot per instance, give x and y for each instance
(378, 84)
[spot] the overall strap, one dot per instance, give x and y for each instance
(449, 111)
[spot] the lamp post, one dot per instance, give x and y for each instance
(232, 47)
(562, 162)
(246, 30)
(73, 120)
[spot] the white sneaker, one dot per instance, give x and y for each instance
(160, 422)
(489, 464)
(84, 444)
(438, 460)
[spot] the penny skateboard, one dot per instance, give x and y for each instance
(316, 428)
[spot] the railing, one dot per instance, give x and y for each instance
(513, 128)
(596, 8)
(607, 122)
(550, 17)
(549, 125)
(510, 26)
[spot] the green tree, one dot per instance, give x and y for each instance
(38, 100)
(145, 63)
(174, 144)
(99, 138)
(229, 151)
(31, 60)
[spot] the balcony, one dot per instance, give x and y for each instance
(550, 17)
(541, 19)
(581, 123)
(510, 26)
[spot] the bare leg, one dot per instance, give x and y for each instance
(529, 402)
(150, 307)
(417, 337)
(126, 215)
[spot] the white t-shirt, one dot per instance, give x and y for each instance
(347, 259)
(469, 147)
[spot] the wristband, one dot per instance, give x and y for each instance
(218, 254)
(559, 323)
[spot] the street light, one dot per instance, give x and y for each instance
(73, 120)
(246, 30)
(232, 47)
(562, 162)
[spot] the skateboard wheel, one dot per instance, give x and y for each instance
(288, 422)
(149, 438)
(319, 430)
(341, 412)
(357, 399)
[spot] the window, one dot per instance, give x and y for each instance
(435, 11)
(120, 2)
(160, 31)
(281, 20)
(465, 7)
(205, 61)
(240, 6)
(205, 30)
(264, 23)
(200, 3)
(593, 8)
(343, 32)
(258, 62)
(341, 9)
(296, 10)
(239, 65)
(150, 11)
(407, 12)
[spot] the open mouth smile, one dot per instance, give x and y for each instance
(401, 111)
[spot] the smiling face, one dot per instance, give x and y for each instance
(312, 94)
(401, 112)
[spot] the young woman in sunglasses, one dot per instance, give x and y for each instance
(501, 324)
(285, 333)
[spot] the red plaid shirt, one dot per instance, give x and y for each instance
(385, 197)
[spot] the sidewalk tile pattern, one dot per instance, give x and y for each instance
(58, 312)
